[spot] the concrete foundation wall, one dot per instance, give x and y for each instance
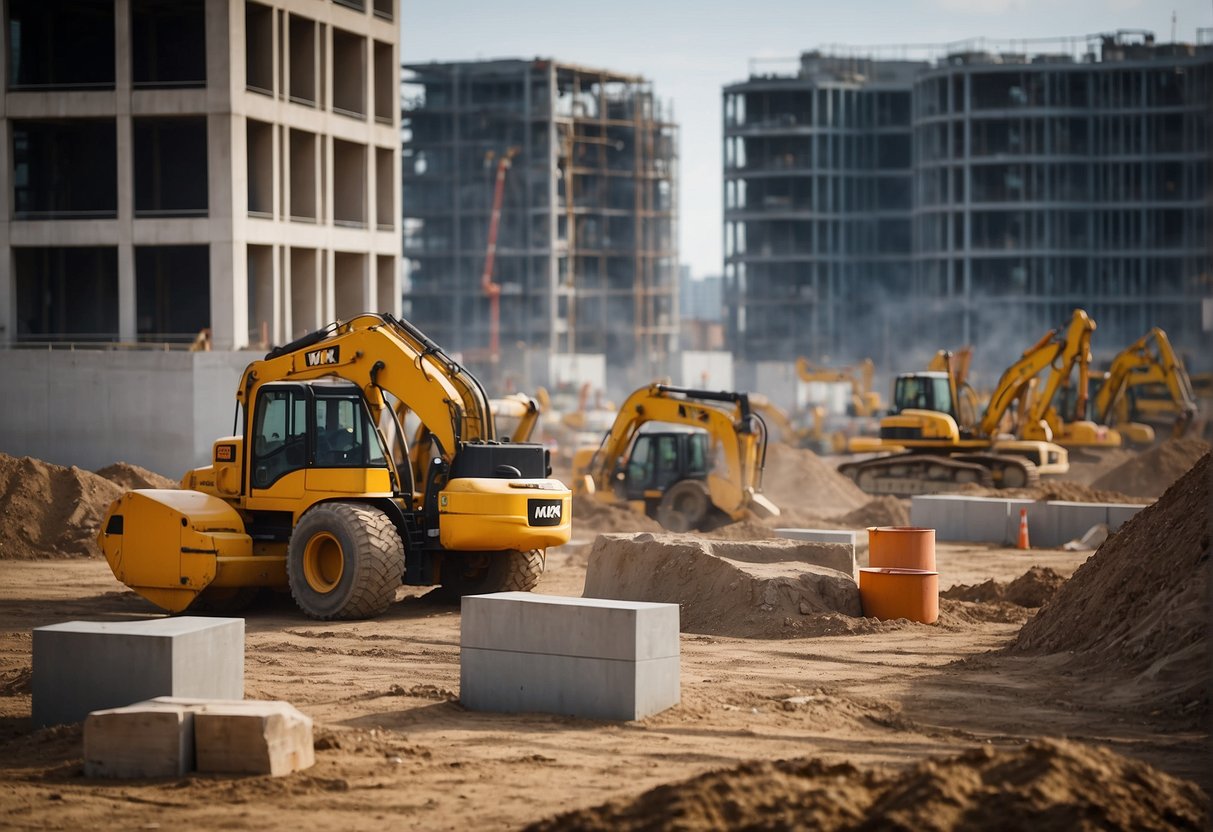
(89, 408)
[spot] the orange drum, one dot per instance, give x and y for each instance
(899, 593)
(901, 547)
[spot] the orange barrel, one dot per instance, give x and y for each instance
(901, 547)
(899, 593)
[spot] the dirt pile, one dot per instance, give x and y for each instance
(797, 479)
(131, 477)
(1031, 589)
(1074, 492)
(1046, 785)
(751, 589)
(47, 511)
(881, 511)
(591, 515)
(1140, 603)
(1151, 473)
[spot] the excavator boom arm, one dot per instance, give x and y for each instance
(381, 353)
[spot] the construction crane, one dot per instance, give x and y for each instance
(492, 289)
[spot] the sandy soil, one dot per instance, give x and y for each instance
(394, 745)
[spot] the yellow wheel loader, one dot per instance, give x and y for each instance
(317, 492)
(687, 458)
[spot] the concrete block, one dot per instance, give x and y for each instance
(587, 657)
(1121, 513)
(252, 737)
(819, 535)
(84, 666)
(942, 512)
(499, 680)
(985, 520)
(147, 739)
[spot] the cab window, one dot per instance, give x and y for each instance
(344, 434)
(279, 435)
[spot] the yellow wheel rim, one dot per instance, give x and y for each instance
(323, 562)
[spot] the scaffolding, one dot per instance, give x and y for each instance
(586, 249)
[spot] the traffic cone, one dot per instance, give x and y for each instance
(1023, 543)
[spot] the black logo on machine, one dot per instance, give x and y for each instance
(319, 358)
(544, 512)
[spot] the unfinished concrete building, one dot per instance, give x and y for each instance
(586, 249)
(173, 166)
(1076, 174)
(817, 179)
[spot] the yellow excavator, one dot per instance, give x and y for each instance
(519, 410)
(865, 402)
(1043, 421)
(313, 494)
(1147, 382)
(937, 452)
(702, 463)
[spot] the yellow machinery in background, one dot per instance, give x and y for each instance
(865, 401)
(1147, 382)
(318, 494)
(943, 454)
(703, 462)
(1042, 420)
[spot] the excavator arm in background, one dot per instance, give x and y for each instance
(1148, 360)
(733, 428)
(520, 409)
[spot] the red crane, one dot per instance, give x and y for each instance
(491, 289)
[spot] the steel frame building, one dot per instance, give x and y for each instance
(587, 250)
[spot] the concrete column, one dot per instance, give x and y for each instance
(328, 296)
(370, 283)
(287, 293)
(126, 173)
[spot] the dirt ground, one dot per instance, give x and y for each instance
(394, 746)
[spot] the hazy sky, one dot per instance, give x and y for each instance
(691, 48)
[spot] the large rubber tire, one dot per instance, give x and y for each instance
(684, 507)
(483, 573)
(345, 561)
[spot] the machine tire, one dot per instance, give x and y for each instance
(345, 561)
(684, 507)
(482, 573)
(223, 600)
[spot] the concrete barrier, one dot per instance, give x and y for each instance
(84, 666)
(147, 739)
(585, 657)
(996, 520)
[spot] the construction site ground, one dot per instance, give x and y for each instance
(394, 746)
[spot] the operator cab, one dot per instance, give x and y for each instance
(319, 424)
(661, 457)
(923, 391)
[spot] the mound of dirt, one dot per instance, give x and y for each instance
(1046, 785)
(595, 516)
(881, 511)
(131, 477)
(729, 588)
(1031, 589)
(1074, 492)
(796, 478)
(1140, 602)
(47, 511)
(1151, 473)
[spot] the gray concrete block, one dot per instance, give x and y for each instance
(252, 737)
(598, 628)
(942, 512)
(147, 739)
(1121, 513)
(985, 520)
(586, 657)
(510, 682)
(84, 666)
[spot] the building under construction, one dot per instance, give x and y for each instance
(548, 190)
(977, 195)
